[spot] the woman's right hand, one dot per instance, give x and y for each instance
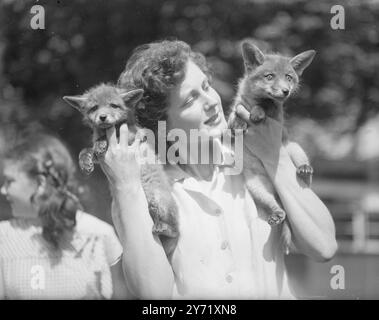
(120, 162)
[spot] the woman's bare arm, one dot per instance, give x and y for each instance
(147, 270)
(311, 223)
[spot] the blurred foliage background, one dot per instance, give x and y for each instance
(89, 41)
(333, 115)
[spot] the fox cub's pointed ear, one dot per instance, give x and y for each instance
(132, 97)
(252, 56)
(302, 60)
(75, 101)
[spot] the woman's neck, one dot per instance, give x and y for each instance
(194, 164)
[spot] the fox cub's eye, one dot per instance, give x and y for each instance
(269, 76)
(94, 108)
(288, 77)
(115, 106)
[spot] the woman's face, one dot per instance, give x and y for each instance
(18, 189)
(194, 104)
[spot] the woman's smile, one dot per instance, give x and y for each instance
(213, 120)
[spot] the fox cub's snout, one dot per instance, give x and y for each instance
(273, 76)
(106, 115)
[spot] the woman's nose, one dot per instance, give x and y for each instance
(210, 103)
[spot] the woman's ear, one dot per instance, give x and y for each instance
(41, 184)
(39, 191)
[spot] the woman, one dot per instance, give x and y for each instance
(51, 249)
(226, 249)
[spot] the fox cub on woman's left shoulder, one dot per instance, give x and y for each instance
(269, 81)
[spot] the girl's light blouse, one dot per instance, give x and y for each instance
(30, 269)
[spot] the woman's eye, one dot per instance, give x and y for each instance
(94, 108)
(269, 76)
(188, 101)
(115, 106)
(288, 77)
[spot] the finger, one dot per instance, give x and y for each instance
(111, 137)
(139, 136)
(135, 148)
(137, 141)
(124, 134)
(243, 113)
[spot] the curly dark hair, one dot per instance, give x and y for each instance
(156, 68)
(43, 155)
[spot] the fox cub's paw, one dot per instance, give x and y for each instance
(276, 217)
(100, 147)
(164, 216)
(162, 228)
(305, 172)
(286, 237)
(257, 114)
(86, 162)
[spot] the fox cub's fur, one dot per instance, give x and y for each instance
(268, 81)
(104, 106)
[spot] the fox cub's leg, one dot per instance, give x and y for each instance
(262, 190)
(257, 114)
(301, 162)
(163, 215)
(162, 207)
(100, 146)
(286, 237)
(86, 160)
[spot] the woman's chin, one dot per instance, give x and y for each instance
(217, 130)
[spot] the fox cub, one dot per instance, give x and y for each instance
(268, 81)
(104, 106)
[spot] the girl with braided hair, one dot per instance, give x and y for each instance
(51, 249)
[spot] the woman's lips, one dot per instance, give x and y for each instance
(213, 119)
